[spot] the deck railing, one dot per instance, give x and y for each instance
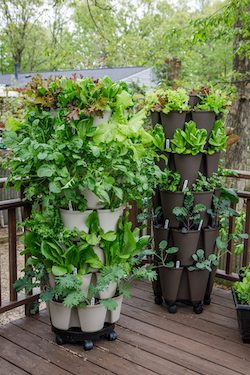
(14, 299)
(227, 272)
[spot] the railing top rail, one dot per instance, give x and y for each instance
(239, 174)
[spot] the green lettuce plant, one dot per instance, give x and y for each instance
(189, 141)
(176, 100)
(242, 288)
(216, 101)
(218, 139)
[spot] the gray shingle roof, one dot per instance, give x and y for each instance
(116, 74)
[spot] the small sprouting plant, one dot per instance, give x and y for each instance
(201, 263)
(207, 184)
(164, 252)
(189, 215)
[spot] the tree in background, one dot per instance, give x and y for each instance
(232, 22)
(18, 18)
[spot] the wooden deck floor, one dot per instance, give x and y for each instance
(151, 341)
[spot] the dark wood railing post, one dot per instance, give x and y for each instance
(246, 252)
(12, 252)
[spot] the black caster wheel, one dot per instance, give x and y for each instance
(207, 301)
(59, 340)
(87, 345)
(198, 308)
(158, 300)
(112, 336)
(172, 309)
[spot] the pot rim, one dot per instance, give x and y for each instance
(201, 111)
(190, 231)
(75, 212)
(174, 112)
(203, 192)
(210, 229)
(108, 210)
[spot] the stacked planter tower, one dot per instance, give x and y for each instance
(183, 281)
(87, 155)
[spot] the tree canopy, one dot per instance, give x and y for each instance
(53, 35)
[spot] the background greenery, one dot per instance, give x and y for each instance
(52, 35)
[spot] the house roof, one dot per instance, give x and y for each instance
(116, 74)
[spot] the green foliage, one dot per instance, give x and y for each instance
(170, 181)
(216, 101)
(126, 246)
(176, 100)
(189, 141)
(242, 288)
(64, 154)
(201, 263)
(162, 256)
(218, 138)
(189, 215)
(203, 183)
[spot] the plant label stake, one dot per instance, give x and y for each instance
(167, 143)
(178, 264)
(200, 225)
(70, 206)
(75, 271)
(185, 184)
(166, 224)
(92, 302)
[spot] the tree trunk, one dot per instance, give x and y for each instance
(238, 120)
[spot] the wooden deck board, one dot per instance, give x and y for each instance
(151, 341)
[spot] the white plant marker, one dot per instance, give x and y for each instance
(178, 264)
(200, 225)
(167, 143)
(185, 184)
(92, 302)
(166, 224)
(70, 206)
(75, 271)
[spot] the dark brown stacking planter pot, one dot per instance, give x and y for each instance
(212, 163)
(210, 284)
(187, 243)
(193, 100)
(155, 118)
(209, 240)
(169, 201)
(170, 279)
(198, 280)
(171, 122)
(188, 166)
(204, 120)
(204, 197)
